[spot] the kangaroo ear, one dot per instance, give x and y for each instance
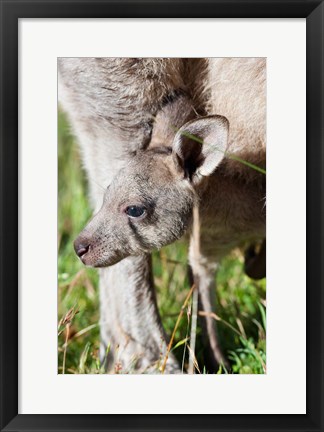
(199, 146)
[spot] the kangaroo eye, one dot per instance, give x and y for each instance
(135, 211)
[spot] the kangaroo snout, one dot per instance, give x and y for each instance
(88, 249)
(100, 244)
(81, 247)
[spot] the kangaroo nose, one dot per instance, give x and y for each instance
(80, 249)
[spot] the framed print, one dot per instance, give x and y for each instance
(154, 117)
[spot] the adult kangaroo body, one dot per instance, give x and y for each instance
(128, 111)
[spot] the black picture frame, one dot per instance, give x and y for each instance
(11, 11)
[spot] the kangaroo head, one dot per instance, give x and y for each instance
(149, 203)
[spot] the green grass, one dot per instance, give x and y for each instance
(240, 300)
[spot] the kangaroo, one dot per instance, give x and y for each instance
(163, 136)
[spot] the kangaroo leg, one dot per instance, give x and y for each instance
(130, 319)
(203, 273)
